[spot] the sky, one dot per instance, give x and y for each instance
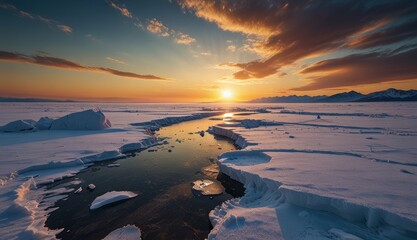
(204, 50)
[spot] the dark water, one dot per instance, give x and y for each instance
(166, 207)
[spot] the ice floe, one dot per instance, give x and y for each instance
(111, 197)
(208, 187)
(129, 232)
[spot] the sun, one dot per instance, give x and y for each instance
(227, 94)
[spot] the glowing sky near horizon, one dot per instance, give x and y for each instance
(195, 50)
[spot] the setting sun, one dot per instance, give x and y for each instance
(254, 119)
(227, 94)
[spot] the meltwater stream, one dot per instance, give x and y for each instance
(166, 206)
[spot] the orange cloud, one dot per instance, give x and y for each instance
(184, 39)
(283, 32)
(123, 10)
(231, 48)
(158, 28)
(69, 65)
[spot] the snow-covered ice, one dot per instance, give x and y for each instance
(18, 126)
(111, 197)
(85, 120)
(349, 175)
(357, 163)
(48, 155)
(129, 232)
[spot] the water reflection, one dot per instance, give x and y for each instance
(166, 206)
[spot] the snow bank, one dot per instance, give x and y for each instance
(18, 126)
(133, 147)
(156, 124)
(129, 232)
(111, 197)
(85, 120)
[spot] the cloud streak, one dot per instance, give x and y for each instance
(284, 32)
(62, 63)
(122, 10)
(155, 26)
(116, 60)
(51, 23)
(361, 69)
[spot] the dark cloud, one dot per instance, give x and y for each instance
(360, 69)
(393, 34)
(51, 23)
(288, 31)
(68, 64)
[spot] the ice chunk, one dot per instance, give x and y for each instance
(18, 126)
(91, 186)
(111, 197)
(130, 147)
(211, 171)
(113, 165)
(250, 123)
(85, 120)
(80, 189)
(129, 232)
(207, 187)
(44, 123)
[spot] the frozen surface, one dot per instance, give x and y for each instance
(129, 232)
(349, 174)
(33, 153)
(111, 197)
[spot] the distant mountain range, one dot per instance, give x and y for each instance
(389, 95)
(6, 99)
